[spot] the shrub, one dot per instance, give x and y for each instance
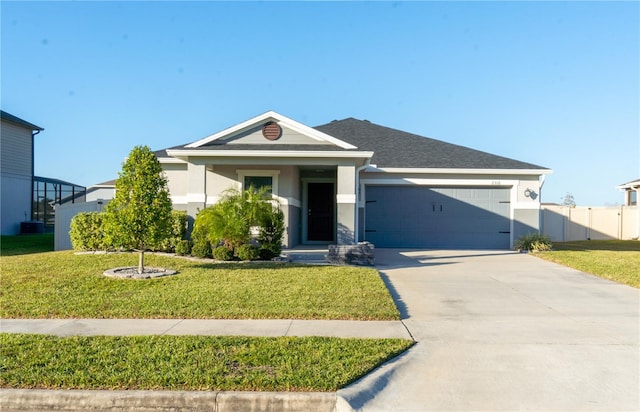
(183, 248)
(178, 231)
(87, 231)
(201, 249)
(223, 253)
(534, 242)
(269, 251)
(230, 221)
(247, 252)
(271, 230)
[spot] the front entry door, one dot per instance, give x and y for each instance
(320, 211)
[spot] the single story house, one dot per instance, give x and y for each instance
(351, 180)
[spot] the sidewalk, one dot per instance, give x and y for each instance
(209, 327)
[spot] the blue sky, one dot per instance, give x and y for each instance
(551, 83)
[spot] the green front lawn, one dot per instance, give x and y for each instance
(25, 244)
(189, 362)
(616, 260)
(66, 285)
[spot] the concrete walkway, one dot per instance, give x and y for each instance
(502, 331)
(207, 327)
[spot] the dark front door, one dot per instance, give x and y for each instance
(320, 211)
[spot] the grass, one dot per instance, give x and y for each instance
(189, 363)
(26, 244)
(66, 285)
(616, 260)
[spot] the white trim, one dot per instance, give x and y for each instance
(257, 172)
(452, 171)
(179, 200)
(268, 153)
(169, 160)
(196, 198)
(345, 198)
(272, 116)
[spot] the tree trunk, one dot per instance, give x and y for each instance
(141, 262)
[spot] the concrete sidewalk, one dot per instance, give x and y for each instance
(208, 327)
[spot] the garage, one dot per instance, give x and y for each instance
(438, 217)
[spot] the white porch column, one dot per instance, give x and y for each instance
(346, 205)
(196, 188)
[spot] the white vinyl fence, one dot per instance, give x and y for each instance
(565, 224)
(64, 214)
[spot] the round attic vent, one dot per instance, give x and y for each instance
(271, 131)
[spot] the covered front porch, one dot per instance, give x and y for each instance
(318, 196)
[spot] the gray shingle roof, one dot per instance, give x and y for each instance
(16, 120)
(392, 148)
(397, 149)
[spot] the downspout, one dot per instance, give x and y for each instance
(540, 211)
(33, 169)
(357, 214)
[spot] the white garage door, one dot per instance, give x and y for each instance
(437, 218)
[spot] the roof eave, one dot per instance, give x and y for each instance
(185, 154)
(535, 172)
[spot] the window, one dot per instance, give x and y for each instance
(259, 179)
(633, 198)
(258, 182)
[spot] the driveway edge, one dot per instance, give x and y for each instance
(147, 401)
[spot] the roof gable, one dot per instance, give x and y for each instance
(397, 149)
(250, 132)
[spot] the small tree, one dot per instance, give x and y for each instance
(568, 200)
(139, 216)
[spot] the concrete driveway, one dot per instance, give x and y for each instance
(502, 331)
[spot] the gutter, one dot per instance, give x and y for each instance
(33, 168)
(357, 214)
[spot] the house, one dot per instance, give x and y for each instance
(631, 190)
(28, 201)
(16, 169)
(351, 180)
(101, 191)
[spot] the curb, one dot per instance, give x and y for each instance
(160, 401)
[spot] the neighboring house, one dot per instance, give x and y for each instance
(49, 194)
(28, 201)
(631, 190)
(101, 191)
(16, 169)
(352, 180)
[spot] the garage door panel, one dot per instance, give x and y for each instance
(412, 216)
